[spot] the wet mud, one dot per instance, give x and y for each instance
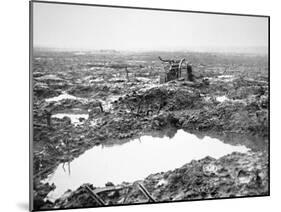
(231, 105)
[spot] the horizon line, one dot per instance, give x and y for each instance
(207, 49)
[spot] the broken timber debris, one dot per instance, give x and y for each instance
(108, 189)
(94, 196)
(127, 194)
(94, 193)
(145, 192)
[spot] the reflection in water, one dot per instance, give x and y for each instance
(255, 143)
(136, 160)
(68, 168)
(170, 132)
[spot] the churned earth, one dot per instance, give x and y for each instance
(233, 175)
(224, 101)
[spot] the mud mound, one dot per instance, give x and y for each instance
(42, 90)
(161, 98)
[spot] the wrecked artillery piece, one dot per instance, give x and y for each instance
(173, 70)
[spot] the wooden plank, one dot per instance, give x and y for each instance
(127, 194)
(108, 189)
(145, 192)
(94, 196)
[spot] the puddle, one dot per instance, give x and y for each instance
(226, 78)
(143, 79)
(75, 118)
(135, 160)
(64, 96)
(99, 79)
(117, 80)
(225, 98)
(49, 77)
(222, 78)
(221, 98)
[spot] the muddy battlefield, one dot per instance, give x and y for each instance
(117, 128)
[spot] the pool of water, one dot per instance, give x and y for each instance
(226, 78)
(62, 96)
(135, 160)
(222, 98)
(106, 103)
(75, 118)
(225, 98)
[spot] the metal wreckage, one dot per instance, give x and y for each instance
(174, 69)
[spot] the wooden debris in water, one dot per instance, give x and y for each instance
(94, 196)
(145, 192)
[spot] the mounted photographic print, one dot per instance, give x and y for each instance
(139, 105)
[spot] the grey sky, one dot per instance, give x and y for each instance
(86, 27)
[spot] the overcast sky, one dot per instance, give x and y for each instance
(87, 27)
